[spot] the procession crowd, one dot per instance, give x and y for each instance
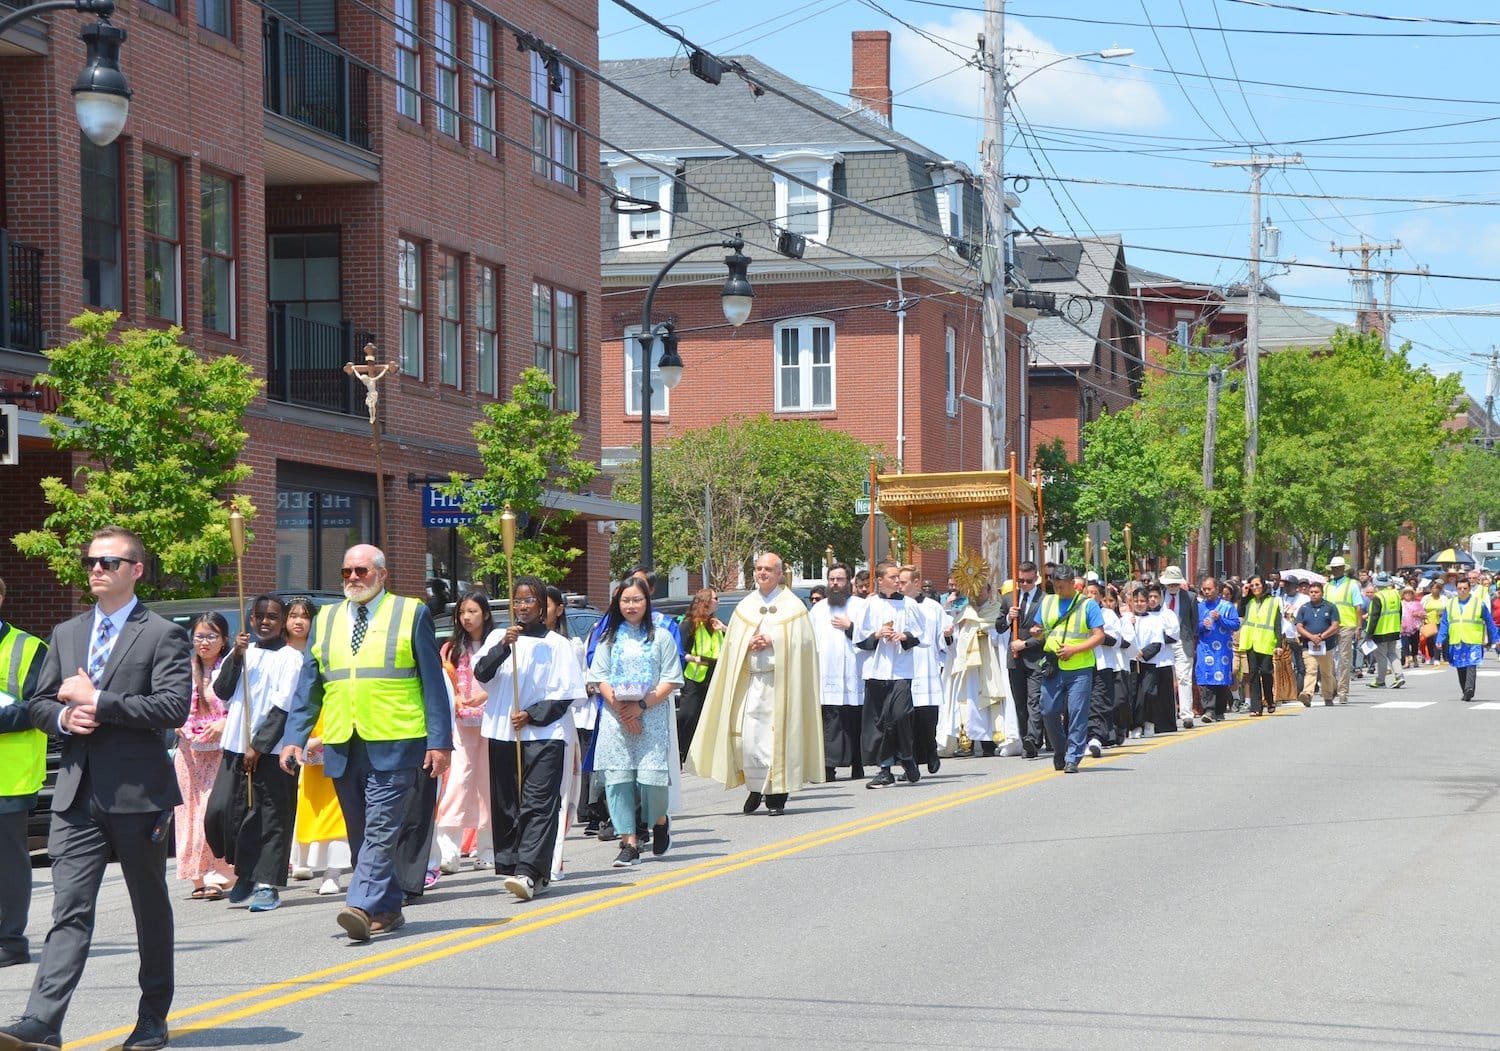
(347, 743)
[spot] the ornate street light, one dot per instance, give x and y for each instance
(101, 96)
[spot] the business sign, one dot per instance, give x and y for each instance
(441, 511)
(295, 507)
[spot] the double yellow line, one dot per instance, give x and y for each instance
(404, 956)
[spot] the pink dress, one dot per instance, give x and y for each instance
(196, 770)
(465, 802)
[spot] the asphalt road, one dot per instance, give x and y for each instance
(1324, 878)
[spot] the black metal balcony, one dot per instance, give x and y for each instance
(20, 295)
(305, 363)
(313, 82)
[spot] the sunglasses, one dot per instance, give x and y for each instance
(108, 563)
(355, 571)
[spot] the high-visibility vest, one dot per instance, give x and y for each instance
(1466, 622)
(1071, 633)
(376, 692)
(707, 644)
(1344, 594)
(1390, 613)
(23, 754)
(1259, 630)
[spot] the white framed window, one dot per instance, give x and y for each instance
(554, 133)
(660, 396)
(804, 351)
(950, 360)
(949, 187)
(487, 320)
(646, 180)
(800, 208)
(1184, 329)
(554, 336)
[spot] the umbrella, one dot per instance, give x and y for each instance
(1451, 555)
(1304, 574)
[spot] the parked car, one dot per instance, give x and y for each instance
(581, 619)
(40, 819)
(185, 610)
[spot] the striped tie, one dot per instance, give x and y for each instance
(99, 651)
(361, 622)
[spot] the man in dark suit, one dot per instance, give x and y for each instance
(387, 721)
(1018, 613)
(113, 680)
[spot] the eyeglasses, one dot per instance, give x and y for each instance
(108, 563)
(356, 571)
(523, 602)
(207, 636)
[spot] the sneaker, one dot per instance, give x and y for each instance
(1070, 768)
(884, 779)
(265, 899)
(1096, 747)
(591, 829)
(523, 887)
(1398, 684)
(628, 857)
(301, 872)
(1187, 722)
(1377, 685)
(607, 833)
(241, 891)
(1208, 717)
(330, 887)
(430, 880)
(913, 775)
(662, 838)
(448, 866)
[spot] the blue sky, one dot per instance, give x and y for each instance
(1398, 124)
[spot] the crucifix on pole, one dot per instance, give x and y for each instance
(370, 374)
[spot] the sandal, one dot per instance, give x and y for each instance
(208, 892)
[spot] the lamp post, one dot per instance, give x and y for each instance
(101, 97)
(737, 297)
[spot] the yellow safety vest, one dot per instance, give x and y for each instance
(1466, 622)
(23, 754)
(1390, 613)
(706, 644)
(1258, 631)
(377, 692)
(1344, 594)
(1074, 631)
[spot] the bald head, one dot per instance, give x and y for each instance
(768, 572)
(363, 572)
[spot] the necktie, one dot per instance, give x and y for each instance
(1025, 601)
(361, 622)
(99, 651)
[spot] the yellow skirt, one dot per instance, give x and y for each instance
(319, 816)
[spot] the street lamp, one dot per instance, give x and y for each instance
(737, 298)
(101, 97)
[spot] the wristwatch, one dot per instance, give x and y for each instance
(642, 702)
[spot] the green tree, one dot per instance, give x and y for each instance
(1060, 491)
(160, 431)
(1462, 490)
(527, 449)
(786, 485)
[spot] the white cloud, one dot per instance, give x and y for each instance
(1072, 94)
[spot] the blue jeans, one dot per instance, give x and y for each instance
(1068, 691)
(372, 801)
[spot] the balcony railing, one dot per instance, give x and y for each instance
(316, 84)
(20, 295)
(305, 363)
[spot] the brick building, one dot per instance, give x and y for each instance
(827, 339)
(297, 179)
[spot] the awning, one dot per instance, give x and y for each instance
(937, 499)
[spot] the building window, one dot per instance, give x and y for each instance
(445, 49)
(101, 225)
(804, 366)
(554, 136)
(320, 16)
(216, 224)
(409, 291)
(408, 61)
(487, 318)
(169, 6)
(316, 525)
(213, 15)
(1184, 330)
(660, 403)
(162, 204)
(646, 177)
(304, 276)
(950, 358)
(799, 208)
(450, 317)
(554, 335)
(482, 56)
(949, 187)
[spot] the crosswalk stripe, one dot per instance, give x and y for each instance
(1487, 706)
(1404, 704)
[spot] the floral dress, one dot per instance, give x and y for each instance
(633, 666)
(197, 767)
(465, 799)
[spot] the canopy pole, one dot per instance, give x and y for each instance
(1041, 528)
(1014, 536)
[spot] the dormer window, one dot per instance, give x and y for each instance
(800, 208)
(647, 179)
(949, 186)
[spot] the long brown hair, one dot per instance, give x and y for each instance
(698, 614)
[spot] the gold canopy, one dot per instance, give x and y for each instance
(937, 499)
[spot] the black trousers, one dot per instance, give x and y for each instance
(1156, 698)
(15, 878)
(886, 731)
(924, 724)
(1219, 699)
(1262, 679)
(841, 737)
(1102, 706)
(1026, 689)
(525, 825)
(689, 708)
(256, 840)
(414, 835)
(80, 843)
(1467, 677)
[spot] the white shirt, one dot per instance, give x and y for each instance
(272, 676)
(1111, 658)
(838, 661)
(1159, 626)
(888, 660)
(927, 658)
(549, 672)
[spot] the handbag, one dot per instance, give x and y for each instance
(1046, 665)
(1429, 631)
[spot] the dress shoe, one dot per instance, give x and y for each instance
(387, 922)
(356, 923)
(936, 764)
(28, 1034)
(1070, 768)
(1058, 760)
(1028, 749)
(830, 775)
(776, 805)
(10, 959)
(149, 1034)
(752, 803)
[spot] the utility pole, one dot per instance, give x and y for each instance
(1363, 284)
(1258, 166)
(996, 225)
(1210, 443)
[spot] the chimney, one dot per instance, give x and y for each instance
(871, 82)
